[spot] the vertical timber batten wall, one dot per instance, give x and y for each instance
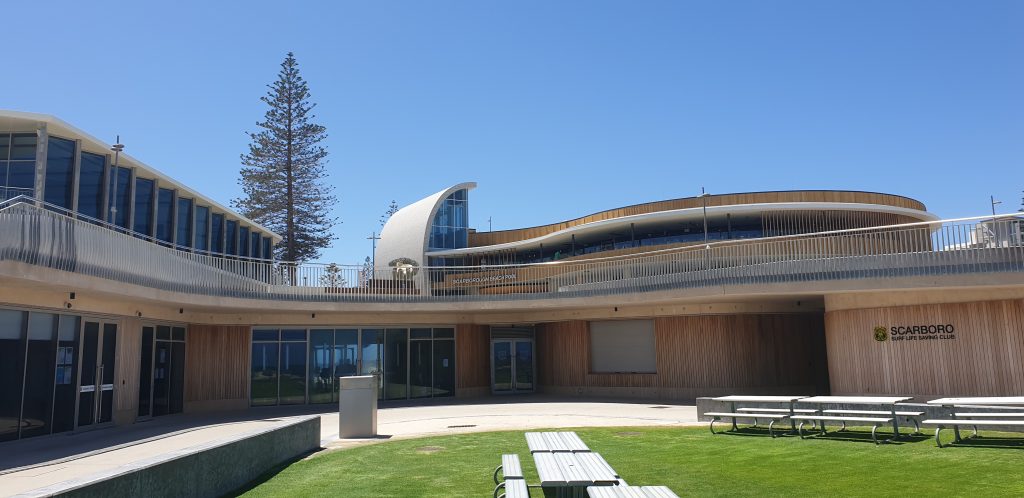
(217, 367)
(983, 356)
(699, 355)
(472, 360)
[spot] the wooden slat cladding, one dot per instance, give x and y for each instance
(478, 239)
(127, 365)
(705, 354)
(217, 363)
(472, 356)
(986, 358)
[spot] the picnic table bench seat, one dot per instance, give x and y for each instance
(941, 424)
(773, 417)
(899, 413)
(630, 492)
(777, 410)
(515, 488)
(876, 421)
(513, 482)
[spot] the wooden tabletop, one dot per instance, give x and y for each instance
(1001, 400)
(853, 400)
(759, 399)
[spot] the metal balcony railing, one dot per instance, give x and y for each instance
(50, 237)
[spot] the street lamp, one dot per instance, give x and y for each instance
(704, 202)
(117, 148)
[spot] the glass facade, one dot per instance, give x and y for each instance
(60, 172)
(165, 215)
(90, 185)
(449, 229)
(298, 365)
(17, 165)
(203, 228)
(43, 361)
(142, 222)
(184, 223)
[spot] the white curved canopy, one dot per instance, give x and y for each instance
(407, 233)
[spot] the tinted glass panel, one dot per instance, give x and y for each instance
(5, 146)
(120, 195)
(346, 352)
(444, 368)
(264, 373)
(217, 233)
(37, 407)
(22, 175)
(177, 394)
(165, 215)
(143, 216)
(163, 332)
(90, 185)
(60, 171)
(420, 362)
(178, 333)
(266, 254)
(293, 335)
(23, 147)
(396, 364)
(255, 246)
(87, 399)
(243, 246)
(321, 366)
(202, 228)
(293, 373)
(232, 238)
(371, 356)
(146, 372)
(12, 356)
(419, 334)
(66, 375)
(184, 223)
(444, 333)
(265, 335)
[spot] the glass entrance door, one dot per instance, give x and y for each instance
(96, 391)
(512, 365)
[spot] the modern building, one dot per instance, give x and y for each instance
(111, 319)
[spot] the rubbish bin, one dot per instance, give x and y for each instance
(357, 406)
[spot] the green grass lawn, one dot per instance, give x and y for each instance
(691, 461)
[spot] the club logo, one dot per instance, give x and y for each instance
(881, 335)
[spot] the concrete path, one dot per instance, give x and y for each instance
(51, 461)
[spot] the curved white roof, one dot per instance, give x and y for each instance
(687, 214)
(407, 232)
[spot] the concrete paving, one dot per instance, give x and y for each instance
(46, 462)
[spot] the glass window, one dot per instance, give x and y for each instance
(66, 392)
(243, 245)
(202, 228)
(231, 246)
(12, 357)
(165, 215)
(23, 146)
(265, 335)
(90, 185)
(264, 373)
(121, 196)
(178, 334)
(217, 233)
(21, 178)
(446, 333)
(293, 335)
(60, 172)
(448, 230)
(419, 334)
(371, 355)
(346, 352)
(293, 373)
(5, 146)
(321, 366)
(41, 356)
(143, 216)
(255, 245)
(396, 363)
(184, 224)
(266, 253)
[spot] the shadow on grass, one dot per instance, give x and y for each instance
(266, 476)
(858, 436)
(1001, 442)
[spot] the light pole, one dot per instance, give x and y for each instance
(117, 148)
(373, 255)
(704, 202)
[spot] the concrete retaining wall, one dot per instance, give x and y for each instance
(205, 470)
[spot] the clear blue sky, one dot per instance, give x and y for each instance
(556, 109)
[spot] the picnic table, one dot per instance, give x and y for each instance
(890, 413)
(738, 398)
(571, 473)
(972, 418)
(631, 492)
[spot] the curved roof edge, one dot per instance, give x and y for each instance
(689, 213)
(90, 143)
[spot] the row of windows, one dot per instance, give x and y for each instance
(135, 203)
